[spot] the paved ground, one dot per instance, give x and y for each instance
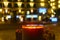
(9, 34)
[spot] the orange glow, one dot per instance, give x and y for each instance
(32, 27)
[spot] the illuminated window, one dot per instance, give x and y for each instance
(31, 4)
(32, 10)
(19, 4)
(53, 7)
(0, 10)
(31, 0)
(28, 12)
(22, 12)
(58, 1)
(58, 6)
(52, 15)
(19, 0)
(42, 0)
(39, 18)
(6, 10)
(52, 4)
(42, 4)
(19, 10)
(52, 0)
(6, 4)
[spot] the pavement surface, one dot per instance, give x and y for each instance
(7, 32)
(7, 35)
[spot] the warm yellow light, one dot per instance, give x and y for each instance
(42, 4)
(58, 1)
(42, 0)
(52, 15)
(31, 0)
(19, 10)
(2, 19)
(28, 12)
(31, 4)
(52, 0)
(19, 0)
(32, 10)
(52, 4)
(6, 10)
(6, 3)
(58, 6)
(21, 18)
(53, 7)
(39, 18)
(0, 10)
(19, 4)
(52, 11)
(22, 12)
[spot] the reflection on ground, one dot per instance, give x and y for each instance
(7, 35)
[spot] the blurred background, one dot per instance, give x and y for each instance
(15, 13)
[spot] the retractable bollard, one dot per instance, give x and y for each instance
(32, 33)
(18, 34)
